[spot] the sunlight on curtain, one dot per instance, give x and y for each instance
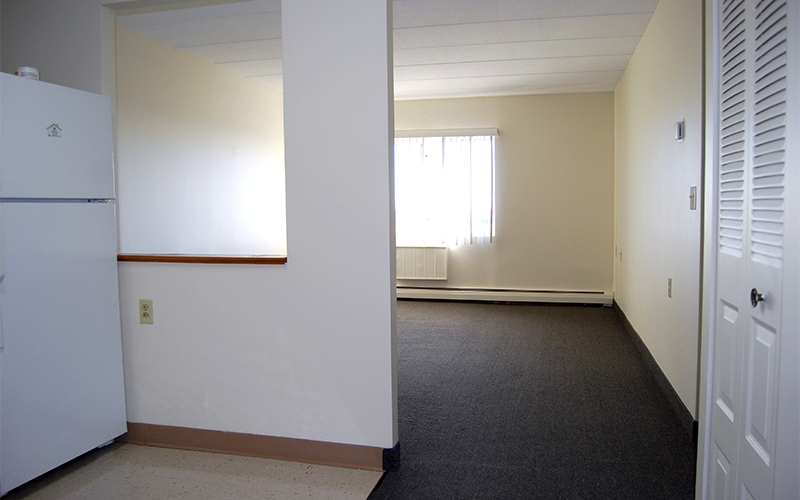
(444, 190)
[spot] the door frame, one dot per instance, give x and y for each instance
(709, 242)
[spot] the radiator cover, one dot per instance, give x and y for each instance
(422, 263)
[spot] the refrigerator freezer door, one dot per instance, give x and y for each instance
(61, 385)
(56, 141)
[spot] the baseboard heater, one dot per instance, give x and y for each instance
(501, 295)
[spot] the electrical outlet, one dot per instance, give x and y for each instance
(669, 287)
(146, 311)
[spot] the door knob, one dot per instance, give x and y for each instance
(755, 297)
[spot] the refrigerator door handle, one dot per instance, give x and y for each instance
(2, 267)
(2, 277)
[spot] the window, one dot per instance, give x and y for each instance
(444, 187)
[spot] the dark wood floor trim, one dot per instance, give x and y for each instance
(684, 415)
(202, 259)
(234, 443)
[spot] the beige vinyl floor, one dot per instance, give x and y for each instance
(144, 472)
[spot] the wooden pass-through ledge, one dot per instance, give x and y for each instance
(202, 259)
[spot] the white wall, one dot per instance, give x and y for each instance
(554, 190)
(337, 74)
(658, 237)
(304, 350)
(71, 42)
(200, 155)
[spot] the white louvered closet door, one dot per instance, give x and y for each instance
(753, 63)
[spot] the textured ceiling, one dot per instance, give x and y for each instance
(442, 48)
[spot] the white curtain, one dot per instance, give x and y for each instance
(444, 190)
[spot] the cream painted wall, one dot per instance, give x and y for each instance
(658, 236)
(200, 155)
(304, 350)
(554, 190)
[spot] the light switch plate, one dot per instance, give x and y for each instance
(680, 130)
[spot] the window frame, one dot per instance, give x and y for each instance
(458, 237)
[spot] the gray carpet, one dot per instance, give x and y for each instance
(533, 402)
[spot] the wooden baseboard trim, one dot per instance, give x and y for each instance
(253, 445)
(681, 412)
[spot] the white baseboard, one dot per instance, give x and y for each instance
(552, 297)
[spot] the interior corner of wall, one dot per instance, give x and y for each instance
(108, 70)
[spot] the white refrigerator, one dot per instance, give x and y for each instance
(61, 385)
